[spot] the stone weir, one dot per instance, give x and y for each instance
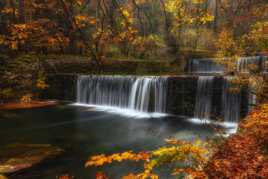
(206, 97)
(186, 95)
(213, 66)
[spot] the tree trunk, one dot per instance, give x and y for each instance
(216, 15)
(22, 11)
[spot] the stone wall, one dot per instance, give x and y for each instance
(110, 67)
(181, 95)
(61, 87)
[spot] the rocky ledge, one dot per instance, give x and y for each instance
(17, 157)
(21, 105)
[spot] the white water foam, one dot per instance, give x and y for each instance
(230, 127)
(142, 94)
(123, 111)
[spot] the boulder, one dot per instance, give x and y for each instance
(17, 157)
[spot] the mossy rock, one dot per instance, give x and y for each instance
(17, 157)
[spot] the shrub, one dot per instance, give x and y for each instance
(22, 77)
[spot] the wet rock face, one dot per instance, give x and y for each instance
(181, 95)
(17, 157)
(61, 87)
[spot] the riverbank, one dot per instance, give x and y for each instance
(22, 105)
(245, 154)
(83, 65)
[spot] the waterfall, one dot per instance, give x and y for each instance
(130, 94)
(229, 103)
(104, 90)
(145, 94)
(252, 96)
(231, 99)
(204, 97)
(244, 64)
(252, 101)
(210, 65)
(205, 65)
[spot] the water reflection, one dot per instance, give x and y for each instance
(83, 131)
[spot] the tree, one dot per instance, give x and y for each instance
(22, 78)
(22, 11)
(182, 14)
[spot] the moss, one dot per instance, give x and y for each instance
(121, 66)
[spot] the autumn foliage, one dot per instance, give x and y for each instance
(193, 156)
(22, 78)
(244, 155)
(97, 28)
(66, 176)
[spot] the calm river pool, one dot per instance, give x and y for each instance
(83, 131)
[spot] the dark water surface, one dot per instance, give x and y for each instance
(83, 131)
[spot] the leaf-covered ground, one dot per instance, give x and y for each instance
(27, 105)
(245, 154)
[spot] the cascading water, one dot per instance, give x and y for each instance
(230, 103)
(210, 65)
(244, 64)
(144, 94)
(104, 90)
(205, 65)
(231, 99)
(230, 106)
(252, 96)
(146, 90)
(204, 97)
(252, 101)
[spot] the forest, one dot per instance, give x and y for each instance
(107, 30)
(177, 87)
